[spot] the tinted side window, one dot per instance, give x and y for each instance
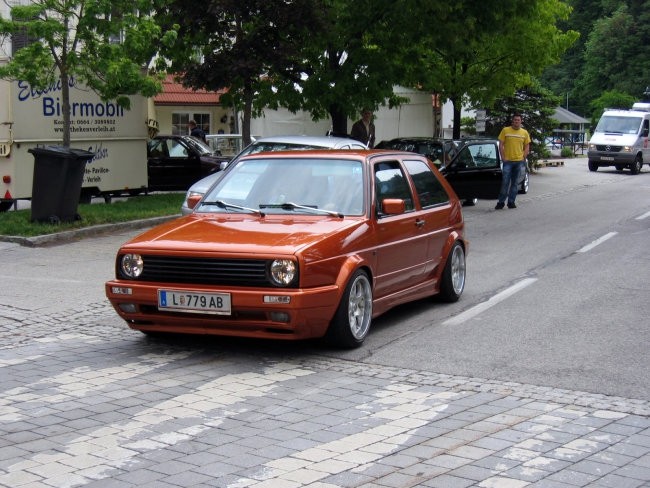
(430, 191)
(390, 182)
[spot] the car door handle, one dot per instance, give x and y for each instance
(419, 222)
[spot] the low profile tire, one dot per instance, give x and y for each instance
(635, 167)
(351, 323)
(523, 189)
(593, 166)
(453, 276)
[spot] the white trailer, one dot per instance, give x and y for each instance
(413, 118)
(33, 118)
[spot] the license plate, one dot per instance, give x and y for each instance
(191, 302)
(607, 158)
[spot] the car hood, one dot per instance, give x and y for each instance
(244, 234)
(204, 184)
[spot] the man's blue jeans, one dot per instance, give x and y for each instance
(509, 188)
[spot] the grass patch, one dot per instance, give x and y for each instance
(17, 223)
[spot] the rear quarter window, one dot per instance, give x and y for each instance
(429, 189)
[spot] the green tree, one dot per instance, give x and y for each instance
(476, 52)
(615, 57)
(610, 99)
(353, 62)
(104, 44)
(244, 47)
(536, 106)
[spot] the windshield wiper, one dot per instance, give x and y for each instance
(294, 206)
(226, 205)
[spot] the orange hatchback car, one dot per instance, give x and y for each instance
(296, 245)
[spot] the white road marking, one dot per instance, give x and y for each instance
(598, 241)
(644, 216)
(481, 307)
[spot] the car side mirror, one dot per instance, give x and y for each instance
(393, 206)
(193, 200)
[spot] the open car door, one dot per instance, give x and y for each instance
(475, 172)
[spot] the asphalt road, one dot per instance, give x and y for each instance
(543, 306)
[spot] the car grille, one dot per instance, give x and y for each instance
(236, 272)
(608, 148)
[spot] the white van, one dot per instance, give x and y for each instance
(621, 139)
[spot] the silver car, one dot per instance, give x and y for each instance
(277, 143)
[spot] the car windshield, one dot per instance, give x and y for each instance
(311, 186)
(621, 125)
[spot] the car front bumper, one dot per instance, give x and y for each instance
(602, 158)
(306, 315)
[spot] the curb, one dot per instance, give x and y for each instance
(96, 230)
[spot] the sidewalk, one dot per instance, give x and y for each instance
(88, 402)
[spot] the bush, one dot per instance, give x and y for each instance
(567, 152)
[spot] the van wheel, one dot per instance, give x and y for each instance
(351, 323)
(635, 167)
(593, 166)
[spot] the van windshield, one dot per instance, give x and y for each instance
(619, 125)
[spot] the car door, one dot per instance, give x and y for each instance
(475, 171)
(173, 165)
(434, 211)
(401, 247)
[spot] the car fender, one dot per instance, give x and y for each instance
(451, 239)
(348, 268)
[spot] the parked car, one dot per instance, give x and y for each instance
(439, 151)
(277, 143)
(295, 245)
(176, 162)
(227, 145)
(471, 165)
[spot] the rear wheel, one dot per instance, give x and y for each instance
(453, 276)
(635, 167)
(352, 320)
(619, 167)
(593, 166)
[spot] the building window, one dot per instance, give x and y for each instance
(180, 121)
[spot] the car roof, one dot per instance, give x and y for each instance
(320, 141)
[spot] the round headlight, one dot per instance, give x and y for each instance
(283, 271)
(132, 265)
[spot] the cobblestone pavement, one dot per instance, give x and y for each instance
(87, 402)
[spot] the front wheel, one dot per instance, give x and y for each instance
(353, 316)
(453, 276)
(593, 166)
(635, 167)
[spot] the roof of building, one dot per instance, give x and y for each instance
(563, 116)
(174, 93)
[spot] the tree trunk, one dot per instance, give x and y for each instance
(65, 107)
(339, 120)
(248, 110)
(457, 110)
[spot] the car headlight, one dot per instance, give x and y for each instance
(131, 265)
(283, 271)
